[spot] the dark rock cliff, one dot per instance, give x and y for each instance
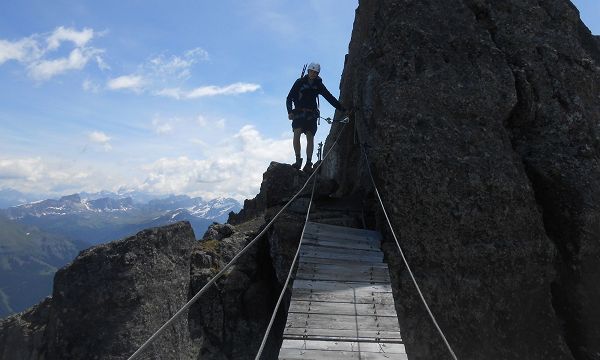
(482, 120)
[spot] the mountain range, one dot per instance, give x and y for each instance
(97, 220)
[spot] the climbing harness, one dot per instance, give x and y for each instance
(364, 151)
(220, 273)
(344, 120)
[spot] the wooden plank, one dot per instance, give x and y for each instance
(339, 250)
(343, 235)
(296, 354)
(339, 256)
(343, 335)
(341, 296)
(374, 347)
(319, 307)
(372, 279)
(326, 235)
(379, 268)
(336, 228)
(346, 251)
(331, 276)
(358, 287)
(360, 234)
(382, 356)
(307, 259)
(342, 322)
(364, 272)
(348, 244)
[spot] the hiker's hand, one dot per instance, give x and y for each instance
(291, 116)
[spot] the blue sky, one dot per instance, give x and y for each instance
(167, 97)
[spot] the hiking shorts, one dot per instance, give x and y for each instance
(305, 120)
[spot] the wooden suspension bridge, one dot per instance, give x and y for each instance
(342, 305)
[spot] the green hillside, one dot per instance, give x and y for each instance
(28, 260)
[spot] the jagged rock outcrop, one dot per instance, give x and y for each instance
(280, 183)
(482, 119)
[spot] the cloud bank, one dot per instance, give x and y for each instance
(233, 167)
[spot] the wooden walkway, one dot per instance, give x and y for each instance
(342, 305)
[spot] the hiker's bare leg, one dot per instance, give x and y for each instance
(310, 144)
(296, 141)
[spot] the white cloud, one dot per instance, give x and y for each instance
(102, 65)
(204, 122)
(34, 52)
(28, 169)
(133, 82)
(46, 69)
(211, 90)
(23, 50)
(44, 176)
(174, 93)
(157, 75)
(166, 68)
(233, 169)
(61, 34)
(159, 71)
(220, 124)
(100, 138)
(89, 85)
(161, 126)
(237, 88)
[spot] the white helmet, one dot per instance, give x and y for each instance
(314, 66)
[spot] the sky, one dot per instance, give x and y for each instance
(178, 97)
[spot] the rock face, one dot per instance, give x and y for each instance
(482, 119)
(105, 302)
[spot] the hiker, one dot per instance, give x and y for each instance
(304, 94)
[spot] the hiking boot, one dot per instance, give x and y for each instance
(308, 167)
(297, 164)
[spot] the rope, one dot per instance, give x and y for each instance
(287, 281)
(404, 259)
(220, 273)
